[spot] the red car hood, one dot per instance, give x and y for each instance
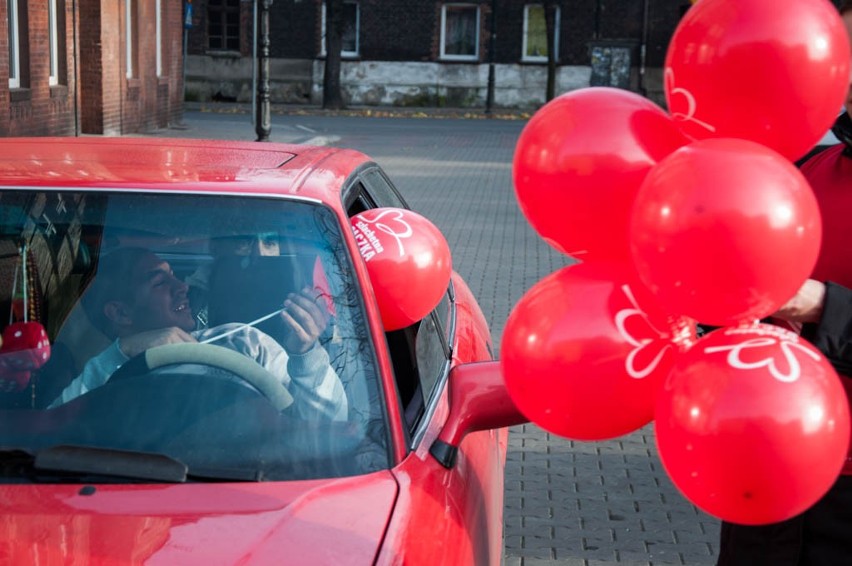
(311, 522)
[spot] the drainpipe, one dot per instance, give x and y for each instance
(643, 49)
(75, 59)
(597, 20)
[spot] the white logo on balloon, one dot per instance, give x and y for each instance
(393, 216)
(691, 105)
(639, 344)
(787, 349)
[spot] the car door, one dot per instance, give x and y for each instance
(461, 506)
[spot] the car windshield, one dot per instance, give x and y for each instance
(175, 337)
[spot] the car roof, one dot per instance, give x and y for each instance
(178, 165)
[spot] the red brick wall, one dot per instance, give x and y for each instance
(149, 102)
(106, 102)
(91, 69)
(38, 108)
(172, 113)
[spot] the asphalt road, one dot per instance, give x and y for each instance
(567, 503)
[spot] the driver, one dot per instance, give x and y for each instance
(136, 299)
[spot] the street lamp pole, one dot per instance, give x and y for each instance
(263, 121)
(492, 45)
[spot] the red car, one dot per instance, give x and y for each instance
(158, 406)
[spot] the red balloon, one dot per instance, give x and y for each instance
(752, 424)
(408, 261)
(772, 72)
(579, 162)
(581, 357)
(830, 176)
(724, 231)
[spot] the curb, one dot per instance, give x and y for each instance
(364, 111)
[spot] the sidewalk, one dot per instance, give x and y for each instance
(364, 111)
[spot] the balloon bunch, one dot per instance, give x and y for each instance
(691, 216)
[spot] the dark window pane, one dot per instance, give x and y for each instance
(460, 31)
(223, 24)
(350, 28)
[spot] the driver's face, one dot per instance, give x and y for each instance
(159, 298)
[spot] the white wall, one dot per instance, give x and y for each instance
(446, 84)
(377, 83)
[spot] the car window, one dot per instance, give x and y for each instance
(265, 287)
(420, 360)
(380, 188)
(432, 355)
(359, 199)
(419, 353)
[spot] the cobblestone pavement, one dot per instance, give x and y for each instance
(567, 503)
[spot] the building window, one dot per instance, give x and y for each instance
(130, 38)
(14, 44)
(460, 32)
(223, 25)
(535, 34)
(56, 40)
(349, 46)
(158, 14)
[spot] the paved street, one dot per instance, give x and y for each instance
(567, 503)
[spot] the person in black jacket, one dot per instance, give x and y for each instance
(822, 535)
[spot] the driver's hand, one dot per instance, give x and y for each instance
(305, 317)
(138, 343)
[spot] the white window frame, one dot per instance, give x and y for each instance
(344, 52)
(538, 58)
(14, 44)
(128, 38)
(53, 42)
(454, 57)
(158, 14)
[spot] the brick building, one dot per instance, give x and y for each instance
(433, 52)
(90, 66)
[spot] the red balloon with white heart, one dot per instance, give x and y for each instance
(408, 261)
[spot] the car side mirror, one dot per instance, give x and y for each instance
(479, 400)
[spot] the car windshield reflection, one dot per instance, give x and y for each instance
(221, 336)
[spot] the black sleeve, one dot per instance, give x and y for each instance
(833, 334)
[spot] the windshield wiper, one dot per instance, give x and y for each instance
(91, 463)
(110, 462)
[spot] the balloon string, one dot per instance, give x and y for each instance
(241, 327)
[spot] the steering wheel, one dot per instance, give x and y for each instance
(209, 355)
